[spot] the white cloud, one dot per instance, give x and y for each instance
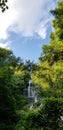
(5, 45)
(42, 33)
(26, 17)
(6, 20)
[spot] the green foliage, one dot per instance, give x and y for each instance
(48, 75)
(3, 5)
(47, 117)
(49, 71)
(13, 77)
(58, 21)
(8, 115)
(52, 110)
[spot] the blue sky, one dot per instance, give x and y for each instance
(26, 27)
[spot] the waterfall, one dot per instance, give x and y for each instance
(31, 94)
(31, 106)
(30, 90)
(35, 99)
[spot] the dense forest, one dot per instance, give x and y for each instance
(47, 79)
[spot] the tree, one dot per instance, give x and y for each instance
(46, 117)
(3, 5)
(49, 73)
(49, 76)
(14, 77)
(30, 66)
(8, 112)
(19, 82)
(58, 21)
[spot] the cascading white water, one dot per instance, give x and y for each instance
(30, 90)
(35, 99)
(30, 93)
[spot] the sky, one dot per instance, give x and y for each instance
(26, 26)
